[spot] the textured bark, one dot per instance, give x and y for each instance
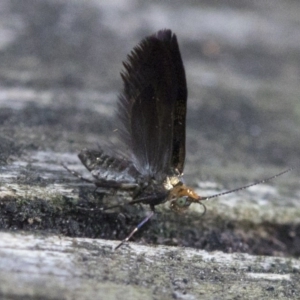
(59, 85)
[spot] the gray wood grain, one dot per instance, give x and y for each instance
(65, 268)
(59, 80)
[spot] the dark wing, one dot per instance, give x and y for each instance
(178, 149)
(152, 106)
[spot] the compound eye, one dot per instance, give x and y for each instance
(183, 202)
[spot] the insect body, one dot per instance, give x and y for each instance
(152, 111)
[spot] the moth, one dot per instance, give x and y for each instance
(152, 111)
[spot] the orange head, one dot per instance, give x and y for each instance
(181, 197)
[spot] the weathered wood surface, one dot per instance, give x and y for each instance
(73, 268)
(59, 82)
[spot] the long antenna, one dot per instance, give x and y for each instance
(247, 186)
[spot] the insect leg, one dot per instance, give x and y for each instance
(136, 228)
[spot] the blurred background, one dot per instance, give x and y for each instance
(59, 78)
